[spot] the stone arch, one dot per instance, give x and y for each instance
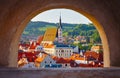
(95, 22)
(20, 15)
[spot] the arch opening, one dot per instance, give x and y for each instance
(90, 17)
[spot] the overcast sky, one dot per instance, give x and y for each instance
(67, 16)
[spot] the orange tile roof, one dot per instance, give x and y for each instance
(22, 62)
(49, 46)
(93, 54)
(31, 56)
(40, 59)
(80, 58)
(55, 58)
(76, 57)
(39, 40)
(63, 60)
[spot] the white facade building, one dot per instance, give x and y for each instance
(50, 51)
(59, 50)
(63, 52)
(47, 61)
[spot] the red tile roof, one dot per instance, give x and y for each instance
(92, 54)
(33, 45)
(76, 57)
(31, 56)
(40, 38)
(63, 60)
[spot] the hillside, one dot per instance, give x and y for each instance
(38, 28)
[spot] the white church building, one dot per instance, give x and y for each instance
(53, 47)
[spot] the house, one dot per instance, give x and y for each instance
(81, 60)
(76, 49)
(47, 61)
(23, 47)
(49, 49)
(44, 60)
(32, 47)
(63, 50)
(78, 59)
(29, 65)
(81, 39)
(23, 61)
(59, 50)
(91, 56)
(97, 48)
(26, 60)
(65, 62)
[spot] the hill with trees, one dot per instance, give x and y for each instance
(73, 30)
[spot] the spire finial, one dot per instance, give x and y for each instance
(60, 21)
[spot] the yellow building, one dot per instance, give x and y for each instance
(49, 36)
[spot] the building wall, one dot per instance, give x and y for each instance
(64, 52)
(50, 51)
(97, 48)
(47, 61)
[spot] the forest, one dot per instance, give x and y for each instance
(38, 28)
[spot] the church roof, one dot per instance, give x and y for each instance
(50, 34)
(49, 46)
(62, 45)
(60, 24)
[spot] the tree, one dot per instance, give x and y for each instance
(96, 37)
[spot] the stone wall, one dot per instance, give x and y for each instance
(15, 14)
(61, 73)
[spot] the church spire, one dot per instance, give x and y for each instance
(60, 25)
(60, 38)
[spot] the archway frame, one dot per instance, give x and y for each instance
(31, 14)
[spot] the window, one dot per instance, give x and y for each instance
(62, 50)
(45, 62)
(65, 64)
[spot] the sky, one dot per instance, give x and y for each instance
(67, 16)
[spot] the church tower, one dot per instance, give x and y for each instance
(60, 38)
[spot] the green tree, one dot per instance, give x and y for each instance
(96, 37)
